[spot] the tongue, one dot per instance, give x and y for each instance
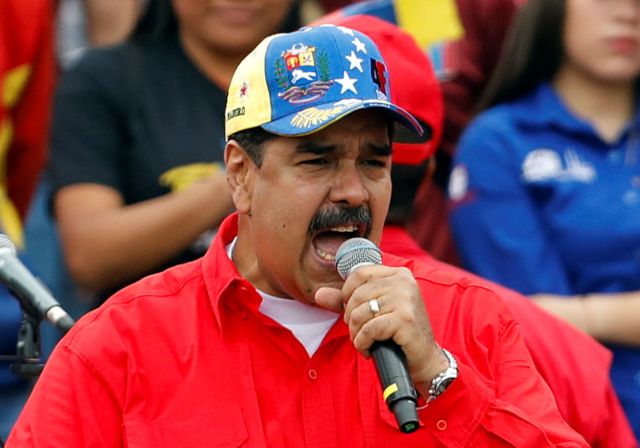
(329, 241)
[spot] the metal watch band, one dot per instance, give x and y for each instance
(440, 383)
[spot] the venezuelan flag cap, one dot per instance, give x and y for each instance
(298, 83)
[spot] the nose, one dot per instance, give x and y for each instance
(348, 186)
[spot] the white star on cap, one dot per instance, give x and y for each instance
(359, 45)
(355, 61)
(347, 83)
(346, 30)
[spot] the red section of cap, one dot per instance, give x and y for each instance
(414, 86)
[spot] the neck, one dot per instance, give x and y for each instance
(245, 259)
(217, 66)
(608, 106)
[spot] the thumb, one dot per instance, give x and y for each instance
(330, 299)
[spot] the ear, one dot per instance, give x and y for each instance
(239, 170)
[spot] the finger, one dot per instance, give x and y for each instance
(364, 293)
(380, 328)
(364, 312)
(330, 299)
(364, 275)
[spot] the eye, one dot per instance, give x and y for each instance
(315, 161)
(376, 163)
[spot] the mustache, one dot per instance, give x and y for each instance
(335, 217)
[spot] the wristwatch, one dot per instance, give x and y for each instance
(440, 383)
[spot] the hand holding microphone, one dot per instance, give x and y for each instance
(387, 318)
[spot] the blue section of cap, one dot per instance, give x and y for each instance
(318, 75)
(323, 65)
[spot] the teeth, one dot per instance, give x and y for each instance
(325, 256)
(346, 229)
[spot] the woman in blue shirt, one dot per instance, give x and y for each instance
(545, 189)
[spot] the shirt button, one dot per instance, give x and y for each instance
(313, 374)
(441, 425)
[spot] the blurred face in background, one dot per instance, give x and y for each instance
(602, 39)
(230, 26)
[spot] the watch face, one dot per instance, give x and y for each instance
(444, 384)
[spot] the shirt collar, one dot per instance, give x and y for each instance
(227, 290)
(225, 286)
(543, 107)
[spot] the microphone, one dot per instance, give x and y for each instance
(390, 360)
(33, 295)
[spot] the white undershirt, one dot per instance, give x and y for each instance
(309, 324)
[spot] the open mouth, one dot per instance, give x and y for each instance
(327, 241)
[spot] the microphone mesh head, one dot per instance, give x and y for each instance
(6, 243)
(355, 252)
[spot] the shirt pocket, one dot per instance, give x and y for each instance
(222, 426)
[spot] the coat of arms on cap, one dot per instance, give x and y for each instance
(302, 74)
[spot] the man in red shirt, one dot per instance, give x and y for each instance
(260, 342)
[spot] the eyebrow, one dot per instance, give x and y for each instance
(320, 149)
(380, 150)
(315, 148)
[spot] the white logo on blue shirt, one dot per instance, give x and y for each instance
(547, 164)
(458, 183)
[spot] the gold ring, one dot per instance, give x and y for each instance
(374, 306)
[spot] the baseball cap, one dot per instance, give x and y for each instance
(413, 83)
(298, 83)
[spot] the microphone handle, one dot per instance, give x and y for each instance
(398, 391)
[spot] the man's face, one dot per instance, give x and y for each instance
(311, 194)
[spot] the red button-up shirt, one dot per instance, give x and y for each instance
(184, 358)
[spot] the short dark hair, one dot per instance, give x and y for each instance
(252, 141)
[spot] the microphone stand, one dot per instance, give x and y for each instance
(28, 364)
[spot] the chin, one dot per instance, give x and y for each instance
(620, 72)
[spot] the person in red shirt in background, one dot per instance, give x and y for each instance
(463, 39)
(27, 76)
(575, 366)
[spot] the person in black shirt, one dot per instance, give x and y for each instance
(138, 138)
